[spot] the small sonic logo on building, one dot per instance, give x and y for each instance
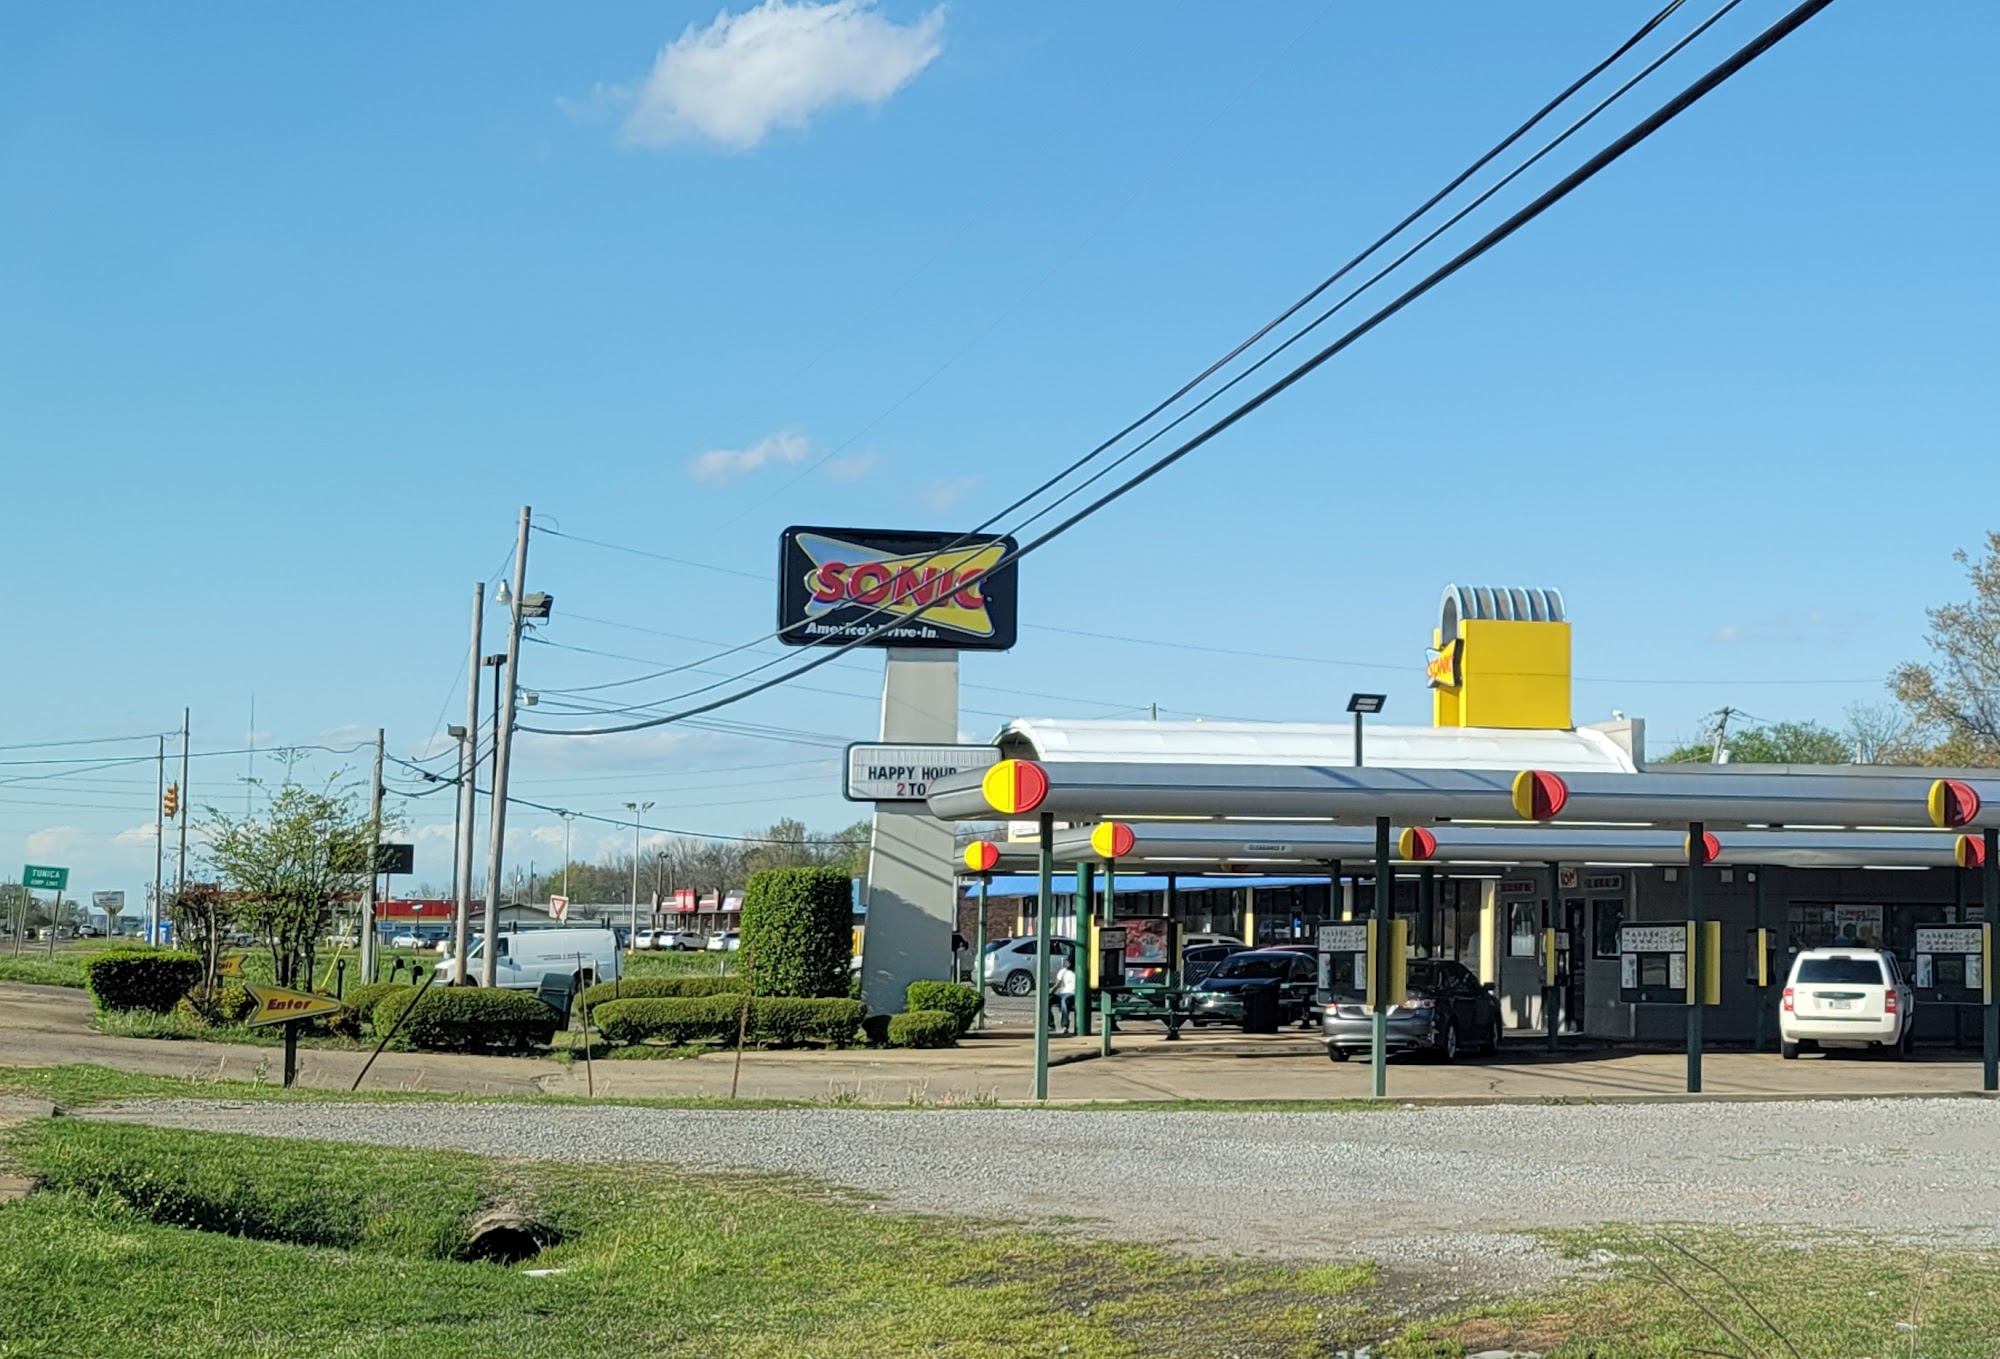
(1442, 665)
(840, 585)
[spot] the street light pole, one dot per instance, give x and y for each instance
(1358, 704)
(503, 746)
(637, 809)
(468, 797)
(567, 818)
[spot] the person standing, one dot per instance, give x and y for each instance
(1066, 995)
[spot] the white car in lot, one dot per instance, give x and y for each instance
(725, 941)
(1009, 967)
(1845, 997)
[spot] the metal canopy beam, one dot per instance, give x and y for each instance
(1086, 791)
(1722, 800)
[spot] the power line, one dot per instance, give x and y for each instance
(1534, 209)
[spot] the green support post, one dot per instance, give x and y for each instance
(1990, 880)
(1757, 942)
(1551, 1005)
(979, 949)
(1427, 912)
(1044, 908)
(1385, 887)
(1086, 900)
(1109, 918)
(1697, 856)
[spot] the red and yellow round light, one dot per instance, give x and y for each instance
(1711, 848)
(1953, 804)
(1539, 795)
(1015, 786)
(1416, 845)
(1970, 851)
(982, 856)
(1112, 839)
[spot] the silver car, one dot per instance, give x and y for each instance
(1445, 1012)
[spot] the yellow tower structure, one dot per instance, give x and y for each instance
(1500, 658)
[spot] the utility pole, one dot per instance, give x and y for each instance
(468, 804)
(1721, 731)
(368, 945)
(181, 861)
(159, 848)
(503, 745)
(638, 809)
(567, 818)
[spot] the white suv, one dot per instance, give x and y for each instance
(1845, 996)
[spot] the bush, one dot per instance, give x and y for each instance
(923, 1029)
(786, 1021)
(361, 1000)
(955, 998)
(652, 988)
(233, 1002)
(798, 931)
(780, 1021)
(673, 1019)
(468, 1018)
(141, 978)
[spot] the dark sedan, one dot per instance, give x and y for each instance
(1200, 960)
(1445, 1012)
(1218, 999)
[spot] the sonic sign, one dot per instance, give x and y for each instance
(939, 590)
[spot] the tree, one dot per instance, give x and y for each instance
(202, 915)
(1779, 743)
(290, 864)
(1955, 701)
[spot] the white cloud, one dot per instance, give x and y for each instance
(136, 835)
(851, 468)
(55, 842)
(942, 496)
(1788, 628)
(774, 66)
(720, 466)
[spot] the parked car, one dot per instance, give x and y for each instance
(1444, 1011)
(1201, 959)
(649, 940)
(1009, 968)
(523, 958)
(1842, 997)
(725, 941)
(1198, 940)
(1218, 998)
(406, 939)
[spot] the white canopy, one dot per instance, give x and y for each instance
(1113, 741)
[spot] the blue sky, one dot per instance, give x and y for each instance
(298, 307)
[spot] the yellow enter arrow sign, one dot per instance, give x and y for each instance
(276, 1004)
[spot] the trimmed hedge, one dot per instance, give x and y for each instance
(798, 931)
(923, 1029)
(961, 1001)
(469, 1018)
(361, 1000)
(141, 978)
(652, 988)
(779, 1021)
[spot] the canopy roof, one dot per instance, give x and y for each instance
(1052, 740)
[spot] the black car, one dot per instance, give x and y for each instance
(1218, 999)
(1444, 1012)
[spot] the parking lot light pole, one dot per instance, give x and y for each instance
(1696, 856)
(1360, 704)
(638, 809)
(1385, 890)
(1043, 910)
(1989, 875)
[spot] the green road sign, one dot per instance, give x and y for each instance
(37, 878)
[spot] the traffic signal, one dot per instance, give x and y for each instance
(172, 802)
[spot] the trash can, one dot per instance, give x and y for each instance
(1260, 1007)
(554, 992)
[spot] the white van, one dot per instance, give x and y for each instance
(523, 958)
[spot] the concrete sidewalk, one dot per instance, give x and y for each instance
(44, 1026)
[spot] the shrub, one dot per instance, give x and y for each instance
(955, 998)
(652, 988)
(141, 978)
(361, 1000)
(923, 1029)
(673, 1019)
(467, 1018)
(233, 1002)
(785, 1021)
(798, 931)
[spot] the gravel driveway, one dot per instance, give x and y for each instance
(1434, 1188)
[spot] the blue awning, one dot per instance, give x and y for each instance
(1027, 885)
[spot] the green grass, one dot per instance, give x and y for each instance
(652, 1261)
(38, 969)
(1699, 1291)
(649, 963)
